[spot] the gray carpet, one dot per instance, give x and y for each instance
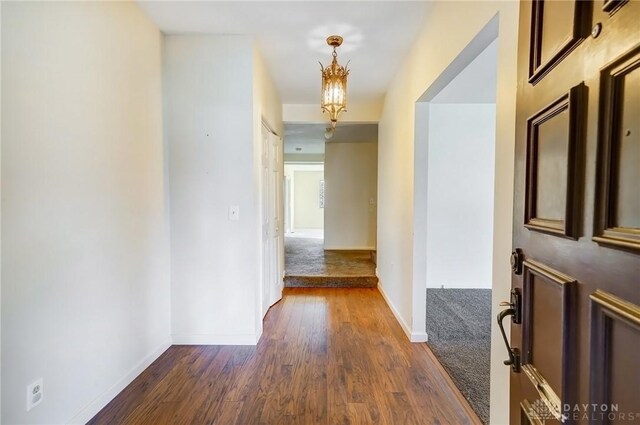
(459, 329)
(308, 264)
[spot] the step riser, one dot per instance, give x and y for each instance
(330, 282)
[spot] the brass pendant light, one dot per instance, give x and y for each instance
(334, 84)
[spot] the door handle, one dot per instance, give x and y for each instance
(514, 312)
(514, 353)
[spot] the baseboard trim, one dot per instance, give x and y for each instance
(102, 400)
(413, 336)
(214, 339)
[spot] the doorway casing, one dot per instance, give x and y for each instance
(503, 198)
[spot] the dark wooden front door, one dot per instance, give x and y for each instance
(576, 280)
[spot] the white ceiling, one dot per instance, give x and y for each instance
(291, 36)
(477, 83)
(309, 138)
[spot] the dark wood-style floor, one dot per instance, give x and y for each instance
(327, 356)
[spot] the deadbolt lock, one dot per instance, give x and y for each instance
(517, 258)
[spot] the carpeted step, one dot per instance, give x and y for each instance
(330, 281)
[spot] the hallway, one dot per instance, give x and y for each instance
(308, 264)
(327, 356)
(144, 207)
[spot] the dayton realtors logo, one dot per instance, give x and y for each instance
(598, 412)
(578, 412)
(540, 410)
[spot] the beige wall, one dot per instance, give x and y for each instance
(311, 113)
(267, 110)
(457, 22)
(301, 158)
(85, 264)
(351, 178)
(306, 206)
(267, 104)
(0, 221)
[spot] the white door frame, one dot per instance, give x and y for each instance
(503, 191)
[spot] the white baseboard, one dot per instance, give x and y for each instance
(99, 403)
(413, 336)
(213, 339)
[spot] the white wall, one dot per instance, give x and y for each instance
(460, 195)
(351, 179)
(85, 264)
(458, 23)
(209, 124)
(307, 213)
(214, 99)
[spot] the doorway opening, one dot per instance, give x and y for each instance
(330, 191)
(304, 200)
(455, 163)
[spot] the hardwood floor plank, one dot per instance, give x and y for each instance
(229, 413)
(328, 356)
(134, 394)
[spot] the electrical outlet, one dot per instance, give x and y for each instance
(35, 394)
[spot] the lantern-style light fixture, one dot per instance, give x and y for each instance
(334, 84)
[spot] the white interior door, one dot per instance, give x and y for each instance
(266, 222)
(277, 240)
(272, 218)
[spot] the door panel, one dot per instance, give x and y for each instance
(577, 176)
(557, 27)
(619, 155)
(547, 334)
(555, 165)
(615, 328)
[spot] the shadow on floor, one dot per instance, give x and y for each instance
(307, 264)
(459, 329)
